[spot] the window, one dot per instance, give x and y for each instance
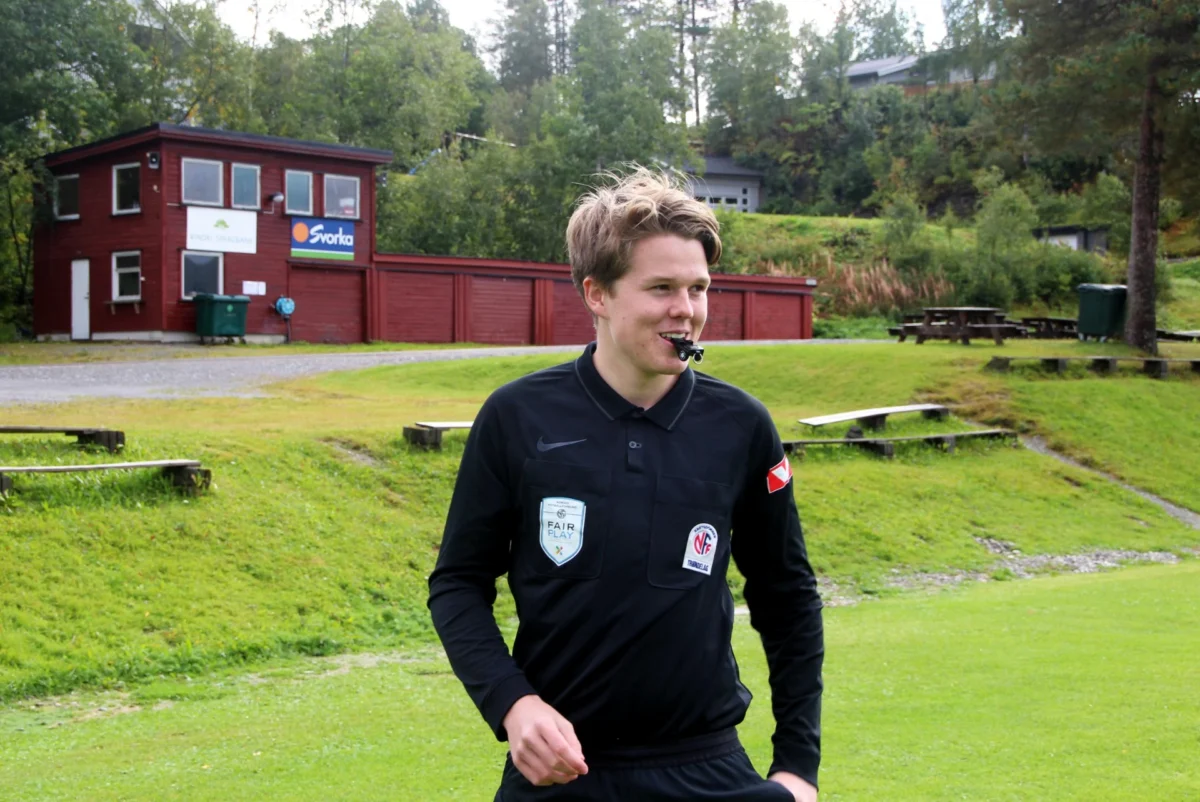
(745, 201)
(731, 201)
(745, 191)
(127, 276)
(127, 189)
(202, 184)
(341, 196)
(202, 272)
(298, 188)
(245, 186)
(66, 197)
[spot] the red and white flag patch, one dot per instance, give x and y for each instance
(779, 475)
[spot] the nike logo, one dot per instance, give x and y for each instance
(544, 446)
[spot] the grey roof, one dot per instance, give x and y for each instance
(725, 165)
(881, 66)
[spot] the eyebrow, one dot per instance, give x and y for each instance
(666, 280)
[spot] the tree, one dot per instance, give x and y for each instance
(1115, 71)
(750, 76)
(523, 44)
(884, 30)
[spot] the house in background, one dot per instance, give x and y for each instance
(913, 74)
(143, 221)
(727, 185)
(1077, 238)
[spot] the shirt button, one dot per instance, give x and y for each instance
(634, 444)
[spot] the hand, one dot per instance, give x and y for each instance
(799, 788)
(543, 743)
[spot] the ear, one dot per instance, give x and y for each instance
(596, 297)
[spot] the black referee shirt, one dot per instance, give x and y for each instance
(615, 525)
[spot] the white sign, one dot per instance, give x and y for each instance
(224, 230)
(254, 288)
(562, 528)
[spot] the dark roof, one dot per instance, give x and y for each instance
(725, 165)
(215, 136)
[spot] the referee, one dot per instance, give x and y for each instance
(613, 491)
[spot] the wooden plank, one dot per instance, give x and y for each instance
(111, 466)
(445, 425)
(862, 414)
(50, 429)
(984, 433)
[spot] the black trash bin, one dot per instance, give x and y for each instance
(1101, 311)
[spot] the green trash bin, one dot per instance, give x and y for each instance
(220, 315)
(1101, 310)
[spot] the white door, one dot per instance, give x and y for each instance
(81, 320)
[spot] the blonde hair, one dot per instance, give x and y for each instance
(609, 220)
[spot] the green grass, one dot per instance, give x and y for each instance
(1066, 688)
(753, 240)
(1182, 312)
(323, 525)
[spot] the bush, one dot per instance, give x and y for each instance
(1058, 271)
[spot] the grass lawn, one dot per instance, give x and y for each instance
(1064, 688)
(323, 524)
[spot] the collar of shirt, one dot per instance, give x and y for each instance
(666, 413)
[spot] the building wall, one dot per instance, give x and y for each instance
(273, 263)
(95, 236)
(456, 299)
(740, 192)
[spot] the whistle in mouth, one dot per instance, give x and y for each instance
(687, 348)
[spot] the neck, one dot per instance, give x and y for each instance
(638, 388)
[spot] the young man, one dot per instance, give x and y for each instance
(613, 491)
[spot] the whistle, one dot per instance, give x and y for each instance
(687, 348)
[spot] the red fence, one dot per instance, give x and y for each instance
(455, 299)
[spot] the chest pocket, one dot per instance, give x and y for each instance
(564, 520)
(689, 536)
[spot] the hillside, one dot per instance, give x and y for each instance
(323, 525)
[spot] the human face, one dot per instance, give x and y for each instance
(665, 291)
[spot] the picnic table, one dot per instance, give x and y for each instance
(961, 323)
(1052, 328)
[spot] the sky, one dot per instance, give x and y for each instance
(473, 16)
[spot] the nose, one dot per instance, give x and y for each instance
(681, 305)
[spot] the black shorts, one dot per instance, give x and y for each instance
(712, 768)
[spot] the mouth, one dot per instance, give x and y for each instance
(673, 336)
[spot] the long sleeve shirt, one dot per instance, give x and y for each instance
(615, 526)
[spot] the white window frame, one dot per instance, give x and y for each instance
(233, 168)
(115, 168)
(287, 197)
(183, 182)
(357, 196)
(116, 284)
(220, 270)
(78, 198)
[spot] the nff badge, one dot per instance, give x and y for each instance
(701, 549)
(562, 528)
(779, 475)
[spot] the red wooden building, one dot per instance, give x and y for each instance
(143, 221)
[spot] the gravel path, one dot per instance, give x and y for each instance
(240, 376)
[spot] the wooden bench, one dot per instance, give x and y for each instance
(885, 446)
(1052, 328)
(111, 439)
(876, 419)
(186, 474)
(1156, 367)
(1179, 336)
(428, 434)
